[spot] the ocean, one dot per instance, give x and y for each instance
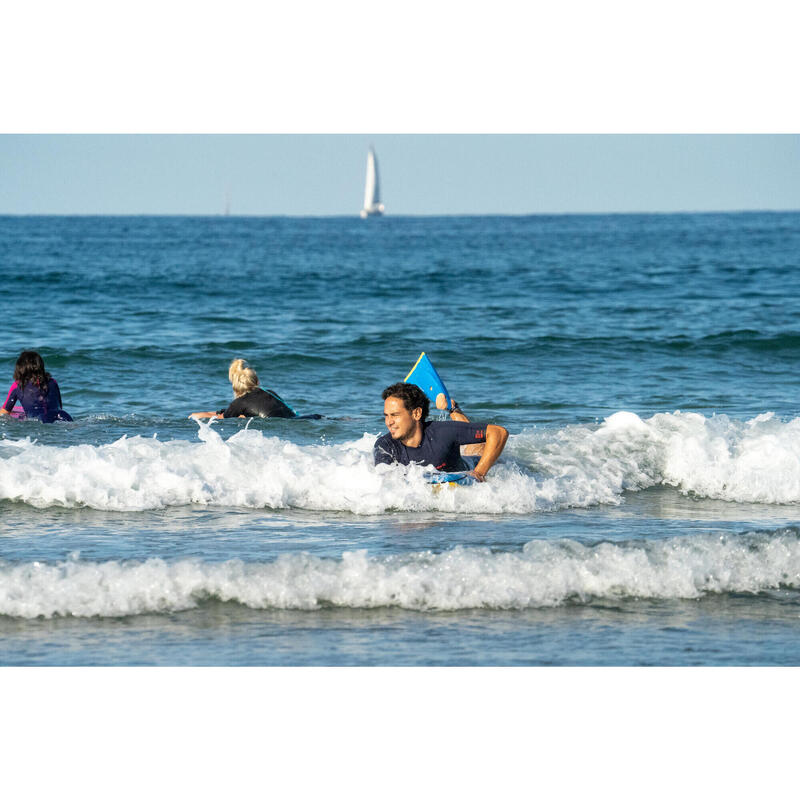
(645, 511)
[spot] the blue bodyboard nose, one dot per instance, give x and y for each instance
(424, 375)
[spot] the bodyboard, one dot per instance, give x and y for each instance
(424, 375)
(460, 478)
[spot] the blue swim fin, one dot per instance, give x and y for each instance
(424, 375)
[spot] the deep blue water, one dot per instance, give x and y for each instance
(665, 534)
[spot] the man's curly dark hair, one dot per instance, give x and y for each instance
(411, 395)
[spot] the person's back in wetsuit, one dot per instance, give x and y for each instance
(251, 400)
(35, 390)
(258, 403)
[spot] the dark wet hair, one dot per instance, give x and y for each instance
(411, 395)
(30, 368)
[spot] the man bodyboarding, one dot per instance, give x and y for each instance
(412, 439)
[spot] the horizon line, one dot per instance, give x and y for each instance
(355, 215)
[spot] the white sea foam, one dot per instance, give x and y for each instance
(541, 470)
(541, 574)
(757, 461)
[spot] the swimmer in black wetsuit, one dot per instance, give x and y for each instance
(258, 403)
(250, 399)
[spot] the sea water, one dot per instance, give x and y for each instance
(646, 509)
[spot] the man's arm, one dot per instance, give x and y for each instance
(455, 412)
(496, 437)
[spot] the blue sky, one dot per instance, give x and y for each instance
(678, 110)
(318, 174)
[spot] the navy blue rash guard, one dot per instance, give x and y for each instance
(41, 404)
(439, 447)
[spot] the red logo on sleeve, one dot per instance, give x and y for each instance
(480, 434)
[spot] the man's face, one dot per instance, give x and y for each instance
(401, 422)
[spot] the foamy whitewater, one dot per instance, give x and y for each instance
(752, 461)
(542, 574)
(645, 510)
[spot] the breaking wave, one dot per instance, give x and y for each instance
(754, 461)
(541, 574)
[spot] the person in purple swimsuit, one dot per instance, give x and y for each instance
(35, 390)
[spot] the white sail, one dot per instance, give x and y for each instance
(371, 186)
(372, 189)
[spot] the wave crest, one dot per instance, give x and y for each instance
(543, 574)
(755, 461)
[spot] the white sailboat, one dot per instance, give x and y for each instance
(372, 190)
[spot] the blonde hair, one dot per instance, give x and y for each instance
(242, 376)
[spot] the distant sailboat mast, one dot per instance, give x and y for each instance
(372, 190)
